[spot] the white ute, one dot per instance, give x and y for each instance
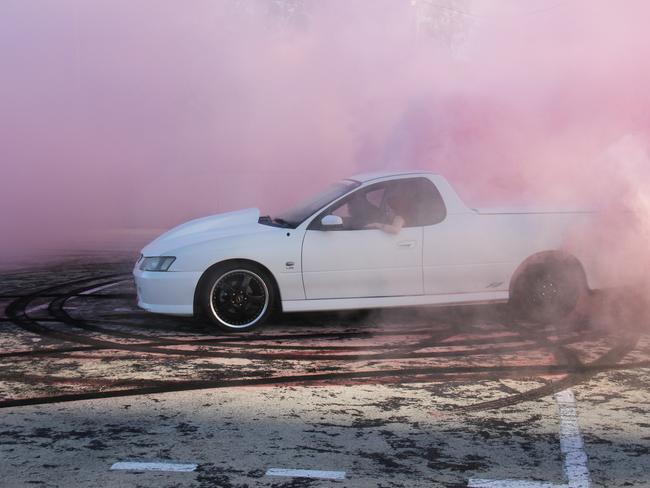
(333, 253)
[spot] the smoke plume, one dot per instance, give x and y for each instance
(141, 114)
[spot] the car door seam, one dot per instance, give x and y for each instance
(302, 263)
(422, 292)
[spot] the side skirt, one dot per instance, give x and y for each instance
(314, 305)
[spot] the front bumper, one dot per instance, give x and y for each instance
(167, 292)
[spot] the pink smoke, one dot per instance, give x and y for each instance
(140, 114)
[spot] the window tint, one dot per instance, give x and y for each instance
(429, 207)
(416, 200)
(296, 215)
(361, 208)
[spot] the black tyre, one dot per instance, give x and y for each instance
(548, 292)
(237, 296)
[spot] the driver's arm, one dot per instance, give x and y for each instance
(392, 228)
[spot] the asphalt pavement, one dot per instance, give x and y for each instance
(94, 391)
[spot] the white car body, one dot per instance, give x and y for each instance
(470, 256)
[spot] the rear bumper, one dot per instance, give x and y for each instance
(169, 292)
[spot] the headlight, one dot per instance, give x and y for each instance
(158, 263)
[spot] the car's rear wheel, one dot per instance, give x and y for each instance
(237, 296)
(548, 292)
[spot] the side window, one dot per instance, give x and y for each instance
(361, 208)
(416, 200)
(376, 195)
(358, 210)
(429, 203)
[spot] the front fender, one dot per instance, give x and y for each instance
(279, 251)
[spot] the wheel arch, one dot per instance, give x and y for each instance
(545, 258)
(199, 284)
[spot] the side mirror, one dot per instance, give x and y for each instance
(331, 221)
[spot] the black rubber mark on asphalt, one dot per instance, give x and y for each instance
(85, 295)
(388, 376)
(80, 331)
(608, 362)
(46, 352)
(17, 312)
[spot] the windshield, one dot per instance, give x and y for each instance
(297, 215)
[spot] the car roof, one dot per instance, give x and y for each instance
(365, 177)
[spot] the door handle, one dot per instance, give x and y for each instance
(406, 244)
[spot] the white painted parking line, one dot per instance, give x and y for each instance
(153, 466)
(571, 446)
(307, 473)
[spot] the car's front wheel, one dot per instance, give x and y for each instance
(237, 296)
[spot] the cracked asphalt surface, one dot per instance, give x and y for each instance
(400, 398)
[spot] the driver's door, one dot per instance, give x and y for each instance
(353, 262)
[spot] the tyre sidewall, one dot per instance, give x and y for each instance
(214, 274)
(530, 305)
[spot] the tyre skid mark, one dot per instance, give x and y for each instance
(568, 364)
(372, 377)
(608, 362)
(56, 309)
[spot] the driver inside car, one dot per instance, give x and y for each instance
(400, 210)
(361, 212)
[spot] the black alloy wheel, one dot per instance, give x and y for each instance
(238, 297)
